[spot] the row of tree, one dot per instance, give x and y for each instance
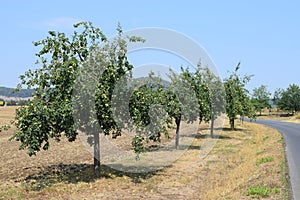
(78, 78)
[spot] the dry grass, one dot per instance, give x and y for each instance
(6, 114)
(275, 116)
(228, 172)
(237, 170)
(294, 119)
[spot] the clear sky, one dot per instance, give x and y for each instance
(263, 35)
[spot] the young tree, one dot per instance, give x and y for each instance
(148, 111)
(290, 98)
(100, 74)
(237, 100)
(182, 102)
(198, 85)
(261, 98)
(51, 113)
(216, 95)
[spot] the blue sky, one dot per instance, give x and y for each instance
(263, 35)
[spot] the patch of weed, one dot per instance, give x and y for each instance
(261, 191)
(258, 191)
(264, 160)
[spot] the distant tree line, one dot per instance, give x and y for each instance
(287, 100)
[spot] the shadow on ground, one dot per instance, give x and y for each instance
(221, 129)
(75, 173)
(204, 136)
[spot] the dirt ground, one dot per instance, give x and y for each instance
(244, 164)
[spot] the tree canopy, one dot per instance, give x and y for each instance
(237, 99)
(261, 98)
(62, 60)
(289, 99)
(216, 92)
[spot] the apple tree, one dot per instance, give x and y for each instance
(61, 60)
(237, 99)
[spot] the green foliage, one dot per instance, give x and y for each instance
(117, 67)
(209, 92)
(49, 114)
(216, 92)
(94, 107)
(289, 99)
(152, 106)
(187, 107)
(64, 64)
(148, 110)
(201, 89)
(216, 95)
(237, 99)
(264, 160)
(277, 96)
(144, 99)
(155, 103)
(260, 98)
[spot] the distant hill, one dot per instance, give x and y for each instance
(24, 94)
(10, 93)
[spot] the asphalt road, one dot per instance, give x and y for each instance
(291, 134)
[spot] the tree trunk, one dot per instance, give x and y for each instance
(96, 155)
(212, 126)
(177, 121)
(232, 123)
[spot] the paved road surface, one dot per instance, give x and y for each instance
(291, 133)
